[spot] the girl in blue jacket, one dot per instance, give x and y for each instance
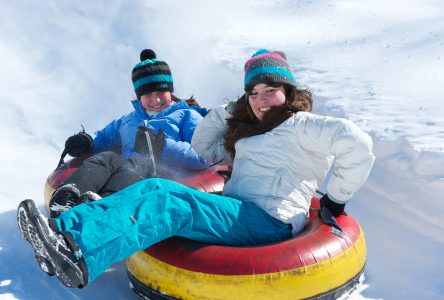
(151, 141)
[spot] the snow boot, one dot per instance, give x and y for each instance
(89, 197)
(64, 198)
(44, 264)
(56, 253)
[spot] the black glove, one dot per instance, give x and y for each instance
(79, 144)
(328, 213)
(157, 141)
(335, 209)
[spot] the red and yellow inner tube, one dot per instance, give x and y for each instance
(315, 264)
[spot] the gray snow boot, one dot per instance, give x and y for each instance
(89, 197)
(64, 198)
(55, 252)
(44, 264)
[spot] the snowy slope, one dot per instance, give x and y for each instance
(378, 63)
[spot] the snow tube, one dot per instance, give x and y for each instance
(316, 264)
(58, 176)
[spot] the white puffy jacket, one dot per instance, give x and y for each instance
(280, 170)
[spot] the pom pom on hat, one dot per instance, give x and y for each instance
(267, 67)
(151, 75)
(147, 54)
(260, 51)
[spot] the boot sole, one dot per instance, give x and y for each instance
(44, 264)
(39, 237)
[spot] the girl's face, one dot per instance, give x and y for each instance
(263, 97)
(156, 101)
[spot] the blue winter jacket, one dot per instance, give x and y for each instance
(178, 122)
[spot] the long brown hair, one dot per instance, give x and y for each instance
(244, 123)
(191, 101)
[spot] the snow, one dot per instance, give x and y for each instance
(378, 63)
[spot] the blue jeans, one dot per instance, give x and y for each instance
(147, 212)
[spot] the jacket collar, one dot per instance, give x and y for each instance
(181, 104)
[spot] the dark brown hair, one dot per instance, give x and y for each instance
(244, 123)
(191, 101)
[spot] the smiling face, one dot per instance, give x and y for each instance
(263, 97)
(156, 101)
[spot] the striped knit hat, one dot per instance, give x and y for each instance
(151, 75)
(267, 67)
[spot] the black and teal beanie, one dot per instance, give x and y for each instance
(151, 75)
(267, 67)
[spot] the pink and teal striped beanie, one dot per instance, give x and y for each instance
(267, 67)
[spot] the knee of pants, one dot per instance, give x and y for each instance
(106, 158)
(156, 183)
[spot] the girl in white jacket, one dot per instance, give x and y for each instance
(279, 152)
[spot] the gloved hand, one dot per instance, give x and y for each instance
(157, 141)
(79, 144)
(336, 209)
(328, 213)
(327, 218)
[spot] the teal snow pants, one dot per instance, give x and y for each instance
(113, 228)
